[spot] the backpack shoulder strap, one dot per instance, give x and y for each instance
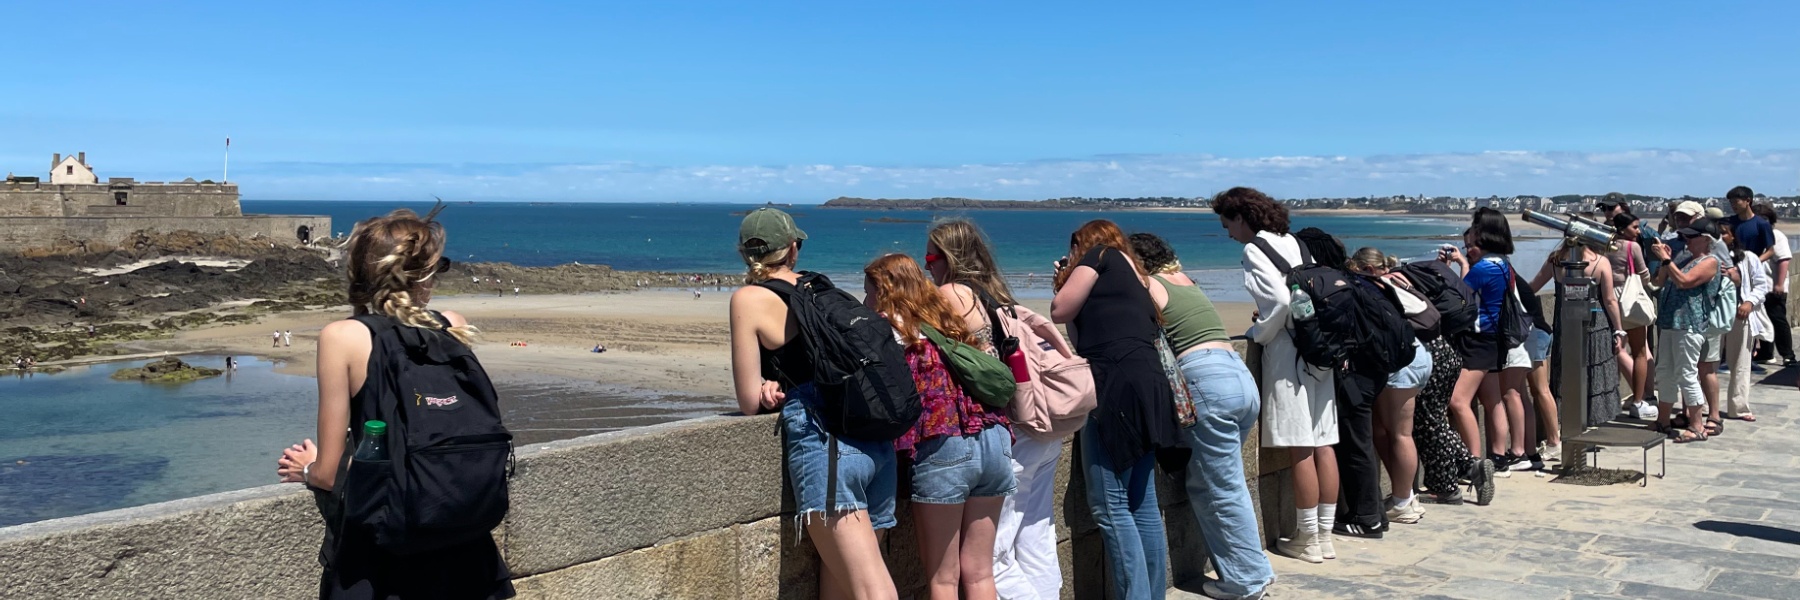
(1275, 257)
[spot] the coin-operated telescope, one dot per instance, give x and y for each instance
(1578, 312)
(1587, 232)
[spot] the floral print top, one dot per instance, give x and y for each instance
(948, 410)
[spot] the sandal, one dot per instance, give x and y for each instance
(1746, 417)
(1714, 427)
(1684, 436)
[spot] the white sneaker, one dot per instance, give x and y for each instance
(1409, 514)
(1304, 546)
(1211, 589)
(1325, 548)
(1641, 410)
(1552, 453)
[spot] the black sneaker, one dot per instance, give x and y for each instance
(1481, 479)
(1453, 497)
(1357, 530)
(1790, 363)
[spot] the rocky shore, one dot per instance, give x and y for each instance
(168, 370)
(75, 300)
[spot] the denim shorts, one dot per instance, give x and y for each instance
(1413, 375)
(953, 469)
(1538, 346)
(866, 471)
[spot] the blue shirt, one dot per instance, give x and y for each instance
(1488, 277)
(1754, 234)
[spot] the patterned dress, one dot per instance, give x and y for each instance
(948, 410)
(1442, 454)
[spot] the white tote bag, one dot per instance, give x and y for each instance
(1635, 306)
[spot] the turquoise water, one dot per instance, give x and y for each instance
(78, 442)
(701, 237)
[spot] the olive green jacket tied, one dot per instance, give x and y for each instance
(982, 376)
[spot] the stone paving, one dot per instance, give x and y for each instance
(1724, 524)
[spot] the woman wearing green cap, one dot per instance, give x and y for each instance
(771, 372)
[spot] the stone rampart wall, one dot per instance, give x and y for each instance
(18, 233)
(692, 509)
(102, 199)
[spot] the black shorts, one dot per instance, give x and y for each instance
(1480, 351)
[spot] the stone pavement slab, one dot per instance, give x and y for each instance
(1724, 524)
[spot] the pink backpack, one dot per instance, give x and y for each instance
(1055, 403)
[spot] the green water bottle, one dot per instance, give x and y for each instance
(374, 442)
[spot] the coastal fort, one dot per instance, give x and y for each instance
(74, 208)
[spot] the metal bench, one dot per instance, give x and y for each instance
(1624, 437)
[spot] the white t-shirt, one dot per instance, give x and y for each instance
(1782, 252)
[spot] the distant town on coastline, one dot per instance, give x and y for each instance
(1420, 204)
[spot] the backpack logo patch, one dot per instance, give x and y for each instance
(434, 403)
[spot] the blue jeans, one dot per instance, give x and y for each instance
(1226, 406)
(1131, 525)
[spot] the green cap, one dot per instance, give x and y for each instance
(374, 428)
(766, 230)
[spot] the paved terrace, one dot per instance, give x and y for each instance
(1724, 524)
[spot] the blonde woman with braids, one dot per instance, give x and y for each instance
(1026, 566)
(393, 263)
(771, 372)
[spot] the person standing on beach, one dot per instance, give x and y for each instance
(1299, 410)
(275, 340)
(393, 264)
(287, 338)
(1226, 407)
(1026, 566)
(1112, 308)
(771, 371)
(958, 449)
(1491, 369)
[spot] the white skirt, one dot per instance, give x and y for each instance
(1299, 400)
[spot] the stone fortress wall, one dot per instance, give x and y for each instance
(691, 509)
(36, 213)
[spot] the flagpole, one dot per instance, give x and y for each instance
(226, 178)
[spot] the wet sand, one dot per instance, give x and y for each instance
(666, 358)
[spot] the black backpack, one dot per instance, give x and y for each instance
(1515, 322)
(859, 365)
(1454, 300)
(1327, 339)
(445, 482)
(1384, 338)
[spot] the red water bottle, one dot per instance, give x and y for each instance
(1021, 372)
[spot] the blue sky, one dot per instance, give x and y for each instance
(801, 102)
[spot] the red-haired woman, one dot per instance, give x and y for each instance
(961, 450)
(1106, 298)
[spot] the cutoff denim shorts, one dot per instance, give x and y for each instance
(867, 472)
(1413, 375)
(1539, 345)
(953, 469)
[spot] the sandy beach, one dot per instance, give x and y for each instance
(665, 341)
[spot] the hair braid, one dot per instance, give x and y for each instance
(391, 258)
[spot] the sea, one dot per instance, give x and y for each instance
(701, 237)
(80, 442)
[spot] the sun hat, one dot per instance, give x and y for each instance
(1690, 208)
(1714, 212)
(1699, 226)
(766, 230)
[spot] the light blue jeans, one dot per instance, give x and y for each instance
(1131, 525)
(1226, 407)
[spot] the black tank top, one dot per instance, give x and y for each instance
(790, 365)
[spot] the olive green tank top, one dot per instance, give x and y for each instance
(1190, 318)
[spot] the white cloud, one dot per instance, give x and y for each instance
(1502, 172)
